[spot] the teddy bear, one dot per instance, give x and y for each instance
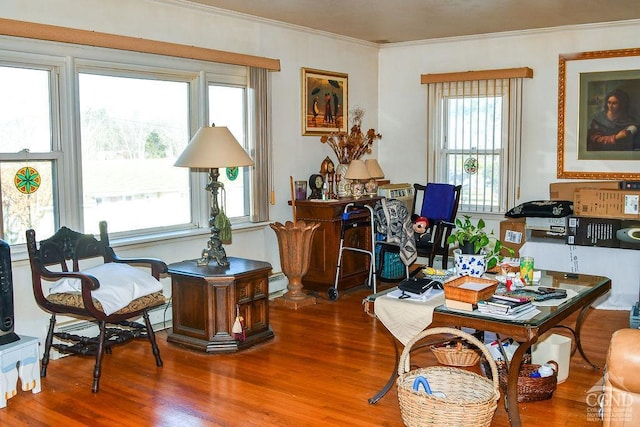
(420, 230)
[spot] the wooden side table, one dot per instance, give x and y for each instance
(205, 300)
(19, 359)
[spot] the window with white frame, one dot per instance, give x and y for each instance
(132, 130)
(474, 134)
(227, 108)
(102, 129)
(28, 160)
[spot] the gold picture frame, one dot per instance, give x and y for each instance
(585, 81)
(325, 96)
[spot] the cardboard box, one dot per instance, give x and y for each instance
(513, 235)
(585, 231)
(566, 190)
(620, 204)
(604, 232)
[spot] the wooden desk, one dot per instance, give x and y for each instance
(204, 301)
(326, 244)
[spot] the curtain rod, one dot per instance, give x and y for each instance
(503, 73)
(32, 30)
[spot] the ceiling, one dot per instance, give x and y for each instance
(392, 21)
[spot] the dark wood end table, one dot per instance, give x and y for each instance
(205, 301)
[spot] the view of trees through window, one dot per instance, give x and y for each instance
(86, 140)
(474, 150)
(132, 131)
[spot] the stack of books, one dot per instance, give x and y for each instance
(505, 306)
(460, 305)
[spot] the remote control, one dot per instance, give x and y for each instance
(551, 295)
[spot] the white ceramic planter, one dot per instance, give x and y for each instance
(469, 264)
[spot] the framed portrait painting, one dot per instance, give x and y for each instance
(599, 115)
(324, 102)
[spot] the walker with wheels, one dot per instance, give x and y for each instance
(353, 217)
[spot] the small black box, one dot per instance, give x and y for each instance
(586, 231)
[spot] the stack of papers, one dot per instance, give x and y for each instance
(525, 315)
(506, 307)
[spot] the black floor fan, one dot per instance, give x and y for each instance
(6, 296)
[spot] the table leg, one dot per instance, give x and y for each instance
(8, 383)
(392, 378)
(511, 395)
(581, 317)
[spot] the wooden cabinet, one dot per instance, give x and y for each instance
(326, 245)
(204, 302)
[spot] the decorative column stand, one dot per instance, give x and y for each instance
(294, 242)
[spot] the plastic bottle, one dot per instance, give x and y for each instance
(543, 371)
(325, 189)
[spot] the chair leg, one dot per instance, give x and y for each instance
(47, 346)
(152, 338)
(445, 261)
(97, 370)
(432, 258)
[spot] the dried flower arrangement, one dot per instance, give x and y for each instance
(354, 145)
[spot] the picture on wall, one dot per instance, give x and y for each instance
(599, 115)
(610, 103)
(324, 102)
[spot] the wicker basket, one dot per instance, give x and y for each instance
(531, 389)
(471, 399)
(456, 356)
(452, 289)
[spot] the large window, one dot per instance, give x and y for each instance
(132, 131)
(97, 132)
(474, 135)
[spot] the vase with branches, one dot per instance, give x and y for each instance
(352, 145)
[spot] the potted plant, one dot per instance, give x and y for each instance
(478, 250)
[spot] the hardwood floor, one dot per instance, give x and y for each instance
(324, 363)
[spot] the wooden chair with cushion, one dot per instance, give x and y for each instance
(440, 206)
(113, 292)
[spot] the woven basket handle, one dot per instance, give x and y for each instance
(555, 366)
(452, 331)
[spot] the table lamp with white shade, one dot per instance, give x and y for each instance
(213, 148)
(375, 171)
(357, 173)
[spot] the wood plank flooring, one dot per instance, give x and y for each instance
(324, 363)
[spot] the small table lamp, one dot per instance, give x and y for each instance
(375, 171)
(212, 148)
(357, 172)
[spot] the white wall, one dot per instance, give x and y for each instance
(385, 82)
(402, 98)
